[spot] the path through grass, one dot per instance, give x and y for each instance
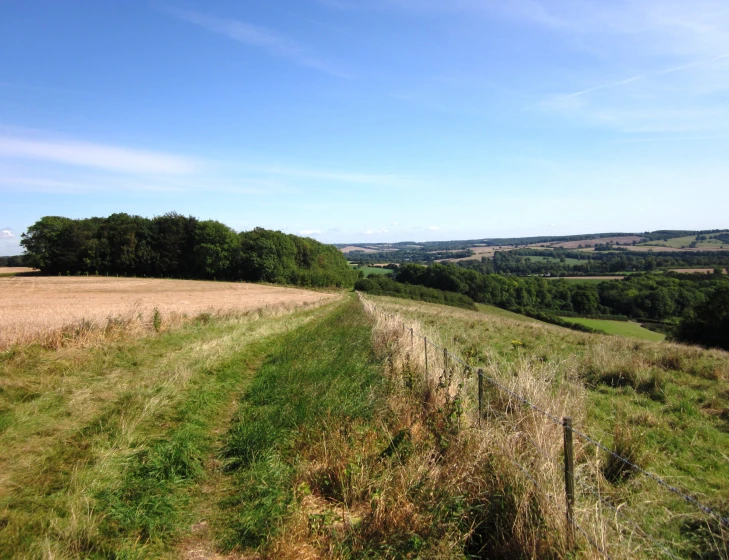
(102, 447)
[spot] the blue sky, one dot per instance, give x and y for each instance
(368, 120)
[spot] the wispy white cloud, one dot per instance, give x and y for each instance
(6, 234)
(433, 228)
(101, 156)
(374, 231)
(310, 232)
(270, 41)
(634, 79)
(334, 176)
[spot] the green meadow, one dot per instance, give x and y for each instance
(620, 328)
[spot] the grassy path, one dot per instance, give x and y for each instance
(100, 446)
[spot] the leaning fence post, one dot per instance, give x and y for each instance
(445, 365)
(569, 478)
(425, 338)
(412, 340)
(480, 396)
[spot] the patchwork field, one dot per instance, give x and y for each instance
(37, 306)
(480, 252)
(624, 240)
(683, 242)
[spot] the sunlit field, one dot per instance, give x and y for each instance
(32, 307)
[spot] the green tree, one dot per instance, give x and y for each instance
(216, 246)
(708, 324)
(585, 300)
(43, 243)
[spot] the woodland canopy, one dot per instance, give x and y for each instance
(176, 246)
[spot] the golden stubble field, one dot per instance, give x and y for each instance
(34, 307)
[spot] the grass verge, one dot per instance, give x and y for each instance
(665, 405)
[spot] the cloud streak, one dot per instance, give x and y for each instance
(270, 41)
(633, 79)
(98, 156)
(6, 234)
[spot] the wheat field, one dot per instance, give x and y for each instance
(37, 307)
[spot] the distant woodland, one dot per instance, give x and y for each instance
(692, 308)
(176, 246)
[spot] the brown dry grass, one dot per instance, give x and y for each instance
(482, 457)
(551, 368)
(54, 309)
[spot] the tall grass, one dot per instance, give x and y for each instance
(333, 460)
(659, 404)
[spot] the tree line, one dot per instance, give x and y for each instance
(698, 304)
(382, 285)
(176, 246)
(519, 262)
(12, 261)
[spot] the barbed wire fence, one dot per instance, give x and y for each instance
(580, 485)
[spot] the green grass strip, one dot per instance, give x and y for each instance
(325, 370)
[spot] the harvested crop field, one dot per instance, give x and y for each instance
(695, 270)
(666, 249)
(15, 269)
(35, 306)
(353, 248)
(481, 251)
(592, 242)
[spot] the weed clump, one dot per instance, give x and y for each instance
(627, 453)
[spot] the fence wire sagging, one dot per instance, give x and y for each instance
(597, 513)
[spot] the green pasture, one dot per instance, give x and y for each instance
(370, 270)
(498, 312)
(620, 328)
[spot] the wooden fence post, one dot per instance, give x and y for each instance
(569, 478)
(480, 396)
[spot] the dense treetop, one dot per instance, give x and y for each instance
(179, 246)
